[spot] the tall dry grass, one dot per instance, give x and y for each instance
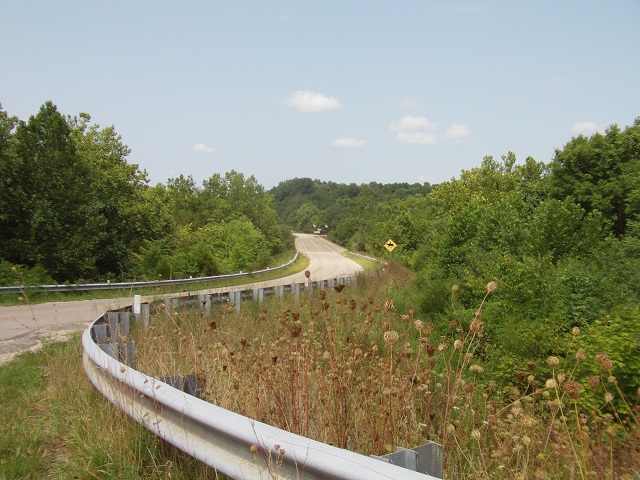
(344, 367)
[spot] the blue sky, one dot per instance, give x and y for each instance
(347, 91)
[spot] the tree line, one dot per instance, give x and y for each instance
(72, 209)
(561, 239)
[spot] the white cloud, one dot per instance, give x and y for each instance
(584, 128)
(311, 102)
(457, 130)
(417, 137)
(410, 123)
(348, 142)
(202, 148)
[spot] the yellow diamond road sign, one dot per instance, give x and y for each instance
(390, 245)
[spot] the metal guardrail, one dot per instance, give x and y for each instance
(86, 287)
(237, 446)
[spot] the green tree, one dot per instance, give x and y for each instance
(49, 183)
(601, 172)
(117, 197)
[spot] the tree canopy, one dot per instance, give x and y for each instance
(73, 208)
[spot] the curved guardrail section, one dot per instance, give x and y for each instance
(87, 287)
(237, 446)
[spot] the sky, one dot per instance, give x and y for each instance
(347, 91)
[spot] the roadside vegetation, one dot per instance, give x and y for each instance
(26, 296)
(358, 368)
(561, 239)
(54, 424)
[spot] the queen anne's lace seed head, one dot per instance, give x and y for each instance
(492, 287)
(391, 337)
(604, 361)
(553, 361)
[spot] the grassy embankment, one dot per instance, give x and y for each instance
(358, 370)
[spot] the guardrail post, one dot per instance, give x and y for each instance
(279, 291)
(295, 289)
(127, 353)
(427, 458)
(168, 305)
(112, 319)
(207, 304)
(235, 299)
(430, 459)
(258, 294)
(123, 323)
(145, 315)
(136, 307)
(100, 333)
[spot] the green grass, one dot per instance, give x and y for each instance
(368, 265)
(54, 424)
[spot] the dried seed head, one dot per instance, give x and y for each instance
(604, 361)
(477, 369)
(391, 337)
(576, 331)
(492, 287)
(455, 288)
(419, 324)
(608, 397)
(476, 326)
(594, 381)
(551, 383)
(475, 434)
(528, 421)
(553, 361)
(388, 305)
(458, 344)
(581, 355)
(572, 388)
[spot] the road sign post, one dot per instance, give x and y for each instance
(391, 246)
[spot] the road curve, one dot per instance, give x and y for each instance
(23, 327)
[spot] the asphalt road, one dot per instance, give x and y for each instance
(24, 327)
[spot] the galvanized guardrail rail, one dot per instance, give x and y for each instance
(87, 287)
(237, 446)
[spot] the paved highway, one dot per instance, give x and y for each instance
(23, 327)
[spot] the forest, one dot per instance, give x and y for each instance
(72, 209)
(561, 239)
